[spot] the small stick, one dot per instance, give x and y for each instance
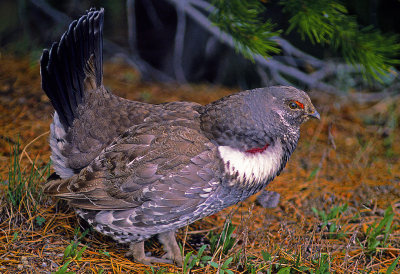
(29, 158)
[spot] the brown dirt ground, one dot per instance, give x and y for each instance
(350, 156)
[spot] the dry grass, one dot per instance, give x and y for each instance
(351, 156)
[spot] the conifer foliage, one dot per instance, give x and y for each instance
(325, 22)
(243, 20)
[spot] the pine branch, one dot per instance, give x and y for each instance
(374, 50)
(328, 22)
(314, 19)
(179, 42)
(243, 21)
(131, 19)
(276, 68)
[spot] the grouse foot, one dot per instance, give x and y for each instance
(136, 250)
(168, 240)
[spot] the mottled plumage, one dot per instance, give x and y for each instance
(134, 170)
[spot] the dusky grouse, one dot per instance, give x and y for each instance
(134, 170)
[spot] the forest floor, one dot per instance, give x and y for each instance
(339, 210)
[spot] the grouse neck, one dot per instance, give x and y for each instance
(253, 167)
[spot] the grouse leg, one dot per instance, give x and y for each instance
(168, 239)
(136, 250)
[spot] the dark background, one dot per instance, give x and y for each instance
(25, 30)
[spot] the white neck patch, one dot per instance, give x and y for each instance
(253, 168)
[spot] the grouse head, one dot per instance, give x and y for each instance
(293, 106)
(254, 118)
(257, 130)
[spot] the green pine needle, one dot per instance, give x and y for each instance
(243, 21)
(327, 22)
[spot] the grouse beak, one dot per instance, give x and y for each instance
(315, 114)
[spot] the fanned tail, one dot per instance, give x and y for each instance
(74, 65)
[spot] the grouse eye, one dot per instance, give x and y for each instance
(293, 105)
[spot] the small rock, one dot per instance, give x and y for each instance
(24, 260)
(268, 199)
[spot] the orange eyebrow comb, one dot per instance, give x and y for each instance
(299, 104)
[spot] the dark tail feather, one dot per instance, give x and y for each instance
(72, 63)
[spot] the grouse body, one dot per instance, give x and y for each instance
(134, 170)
